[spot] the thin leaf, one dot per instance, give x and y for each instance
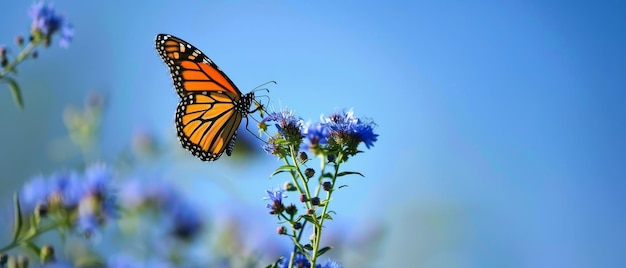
(323, 250)
(15, 91)
(349, 173)
(308, 247)
(17, 229)
(34, 248)
(282, 169)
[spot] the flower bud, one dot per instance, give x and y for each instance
(3, 52)
(302, 156)
(310, 211)
(41, 210)
(46, 254)
(3, 258)
(291, 209)
(315, 201)
(309, 172)
(331, 158)
(12, 262)
(35, 54)
(303, 198)
(297, 225)
(281, 230)
(19, 40)
(327, 186)
(288, 186)
(22, 261)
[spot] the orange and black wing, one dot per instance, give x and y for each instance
(191, 70)
(207, 124)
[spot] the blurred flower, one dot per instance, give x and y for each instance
(300, 261)
(183, 218)
(331, 264)
(127, 262)
(47, 22)
(90, 196)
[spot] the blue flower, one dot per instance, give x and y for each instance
(90, 196)
(346, 126)
(276, 196)
(286, 123)
(300, 261)
(187, 221)
(316, 133)
(184, 219)
(48, 22)
(330, 264)
(128, 262)
(34, 192)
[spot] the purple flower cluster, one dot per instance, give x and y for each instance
(184, 220)
(89, 195)
(342, 128)
(287, 124)
(48, 22)
(300, 261)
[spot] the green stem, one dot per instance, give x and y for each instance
(318, 227)
(20, 57)
(36, 233)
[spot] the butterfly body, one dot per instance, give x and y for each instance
(211, 107)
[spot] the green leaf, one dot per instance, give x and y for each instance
(308, 247)
(323, 250)
(34, 248)
(349, 173)
(15, 91)
(17, 229)
(328, 217)
(282, 169)
(309, 218)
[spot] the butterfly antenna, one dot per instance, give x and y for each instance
(259, 89)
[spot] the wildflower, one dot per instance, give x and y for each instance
(346, 128)
(276, 196)
(300, 261)
(286, 123)
(47, 22)
(316, 133)
(183, 218)
(63, 194)
(331, 264)
(187, 221)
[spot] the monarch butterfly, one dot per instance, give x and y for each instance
(211, 106)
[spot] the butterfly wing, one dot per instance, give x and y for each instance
(207, 124)
(211, 108)
(191, 70)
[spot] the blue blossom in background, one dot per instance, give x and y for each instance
(330, 264)
(316, 133)
(47, 22)
(300, 261)
(128, 262)
(90, 196)
(97, 203)
(184, 220)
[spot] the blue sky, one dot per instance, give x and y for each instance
(501, 123)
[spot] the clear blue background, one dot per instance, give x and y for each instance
(501, 123)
